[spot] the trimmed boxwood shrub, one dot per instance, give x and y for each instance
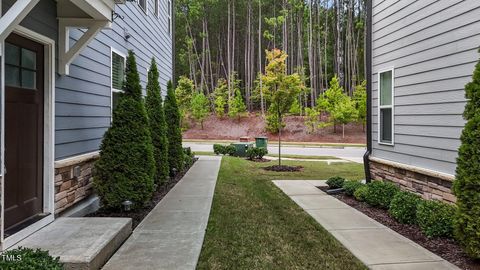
(335, 182)
(256, 153)
(220, 149)
(361, 193)
(403, 207)
(126, 167)
(436, 218)
(29, 259)
(466, 186)
(174, 133)
(380, 194)
(351, 186)
(157, 123)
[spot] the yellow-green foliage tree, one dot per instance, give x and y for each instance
(360, 98)
(281, 89)
(183, 94)
(199, 108)
(220, 97)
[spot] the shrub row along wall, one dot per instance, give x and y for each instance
(73, 180)
(427, 185)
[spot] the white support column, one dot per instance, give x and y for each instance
(67, 54)
(14, 16)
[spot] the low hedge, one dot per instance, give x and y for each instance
(361, 193)
(436, 218)
(220, 149)
(380, 194)
(335, 182)
(351, 186)
(256, 152)
(29, 259)
(403, 207)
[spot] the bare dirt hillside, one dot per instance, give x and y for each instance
(254, 125)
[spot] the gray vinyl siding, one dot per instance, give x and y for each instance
(433, 47)
(83, 98)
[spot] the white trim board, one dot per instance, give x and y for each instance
(49, 139)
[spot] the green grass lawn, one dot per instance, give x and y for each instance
(201, 153)
(254, 225)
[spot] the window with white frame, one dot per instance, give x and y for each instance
(157, 8)
(386, 107)
(169, 16)
(143, 5)
(118, 76)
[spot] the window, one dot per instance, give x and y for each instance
(385, 106)
(143, 5)
(157, 8)
(20, 67)
(118, 76)
(169, 16)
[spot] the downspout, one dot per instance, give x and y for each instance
(368, 56)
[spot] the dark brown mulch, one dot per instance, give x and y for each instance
(259, 160)
(283, 168)
(139, 214)
(446, 248)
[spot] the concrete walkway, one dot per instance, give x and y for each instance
(375, 245)
(171, 236)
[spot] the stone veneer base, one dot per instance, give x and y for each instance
(429, 185)
(73, 180)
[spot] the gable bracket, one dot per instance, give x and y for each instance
(66, 53)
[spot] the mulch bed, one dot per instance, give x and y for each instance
(446, 248)
(139, 214)
(283, 168)
(260, 160)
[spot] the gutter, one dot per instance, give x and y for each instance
(368, 71)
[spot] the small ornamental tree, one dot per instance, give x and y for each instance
(174, 133)
(281, 89)
(126, 168)
(360, 98)
(344, 112)
(237, 107)
(329, 100)
(467, 183)
(183, 94)
(296, 108)
(199, 108)
(158, 125)
(220, 97)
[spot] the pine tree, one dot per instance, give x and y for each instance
(174, 133)
(158, 125)
(126, 168)
(467, 184)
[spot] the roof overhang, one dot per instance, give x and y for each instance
(14, 15)
(92, 15)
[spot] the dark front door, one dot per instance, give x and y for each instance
(24, 65)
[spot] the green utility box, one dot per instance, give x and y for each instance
(241, 148)
(261, 142)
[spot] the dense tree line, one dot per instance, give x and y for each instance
(225, 41)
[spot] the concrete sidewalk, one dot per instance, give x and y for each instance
(375, 245)
(171, 236)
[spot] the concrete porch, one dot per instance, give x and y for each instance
(81, 243)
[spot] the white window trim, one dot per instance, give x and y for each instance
(114, 90)
(169, 16)
(146, 6)
(392, 106)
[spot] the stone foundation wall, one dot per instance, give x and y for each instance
(73, 180)
(428, 186)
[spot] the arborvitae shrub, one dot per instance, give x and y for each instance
(467, 183)
(436, 218)
(403, 207)
(174, 133)
(126, 168)
(380, 194)
(335, 182)
(157, 123)
(26, 258)
(351, 186)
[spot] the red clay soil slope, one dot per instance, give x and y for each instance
(253, 126)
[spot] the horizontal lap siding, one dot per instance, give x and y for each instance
(83, 98)
(432, 45)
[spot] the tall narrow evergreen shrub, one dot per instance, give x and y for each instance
(174, 133)
(467, 184)
(126, 168)
(158, 125)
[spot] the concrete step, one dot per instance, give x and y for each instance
(81, 243)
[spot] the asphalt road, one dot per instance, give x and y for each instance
(354, 154)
